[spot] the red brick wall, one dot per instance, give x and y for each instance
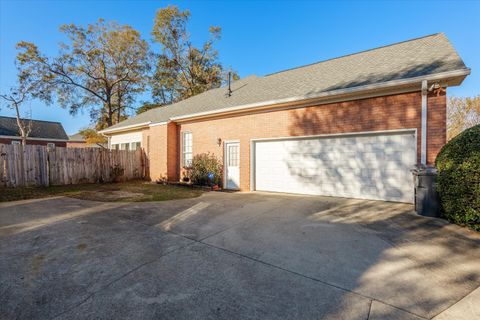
(173, 159)
(156, 151)
(436, 125)
(393, 112)
(37, 142)
(77, 145)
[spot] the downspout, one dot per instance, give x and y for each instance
(423, 157)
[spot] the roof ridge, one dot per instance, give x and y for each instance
(355, 53)
(31, 119)
(157, 106)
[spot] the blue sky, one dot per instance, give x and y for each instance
(258, 37)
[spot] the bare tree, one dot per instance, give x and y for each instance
(16, 97)
(99, 68)
(462, 113)
(183, 70)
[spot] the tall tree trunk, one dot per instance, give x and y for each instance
(23, 133)
(108, 103)
(119, 106)
(119, 110)
(21, 126)
(109, 113)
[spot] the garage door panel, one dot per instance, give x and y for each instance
(368, 166)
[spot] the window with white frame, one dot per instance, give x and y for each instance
(233, 156)
(51, 145)
(15, 142)
(126, 146)
(187, 149)
(135, 145)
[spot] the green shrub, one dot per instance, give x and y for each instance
(458, 181)
(202, 164)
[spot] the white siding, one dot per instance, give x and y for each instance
(130, 138)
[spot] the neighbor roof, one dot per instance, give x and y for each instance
(419, 57)
(40, 129)
(77, 137)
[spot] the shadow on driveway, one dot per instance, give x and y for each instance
(242, 255)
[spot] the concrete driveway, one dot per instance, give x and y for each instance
(234, 256)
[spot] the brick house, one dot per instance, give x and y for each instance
(46, 133)
(352, 126)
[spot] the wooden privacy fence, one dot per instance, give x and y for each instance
(34, 165)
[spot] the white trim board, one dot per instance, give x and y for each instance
(326, 135)
(127, 137)
(126, 128)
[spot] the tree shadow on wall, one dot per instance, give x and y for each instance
(333, 164)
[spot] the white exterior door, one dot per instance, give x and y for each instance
(232, 165)
(369, 166)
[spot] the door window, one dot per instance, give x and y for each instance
(233, 156)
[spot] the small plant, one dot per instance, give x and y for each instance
(203, 165)
(116, 173)
(186, 175)
(162, 180)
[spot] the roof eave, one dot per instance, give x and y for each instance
(125, 128)
(450, 78)
(446, 79)
(34, 138)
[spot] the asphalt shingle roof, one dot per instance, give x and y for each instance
(76, 137)
(413, 58)
(39, 129)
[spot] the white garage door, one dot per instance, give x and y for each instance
(371, 166)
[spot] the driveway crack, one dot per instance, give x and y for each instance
(369, 309)
(311, 278)
(275, 266)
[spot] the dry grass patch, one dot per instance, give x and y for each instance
(132, 191)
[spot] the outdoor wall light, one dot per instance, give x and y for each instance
(219, 141)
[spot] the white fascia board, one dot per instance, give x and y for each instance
(36, 139)
(158, 124)
(334, 135)
(125, 128)
(329, 94)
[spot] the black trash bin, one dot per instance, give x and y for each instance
(427, 200)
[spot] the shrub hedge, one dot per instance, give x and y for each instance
(458, 180)
(202, 165)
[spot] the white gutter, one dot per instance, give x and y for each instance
(158, 124)
(388, 84)
(36, 139)
(132, 126)
(423, 155)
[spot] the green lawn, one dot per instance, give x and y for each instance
(132, 191)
